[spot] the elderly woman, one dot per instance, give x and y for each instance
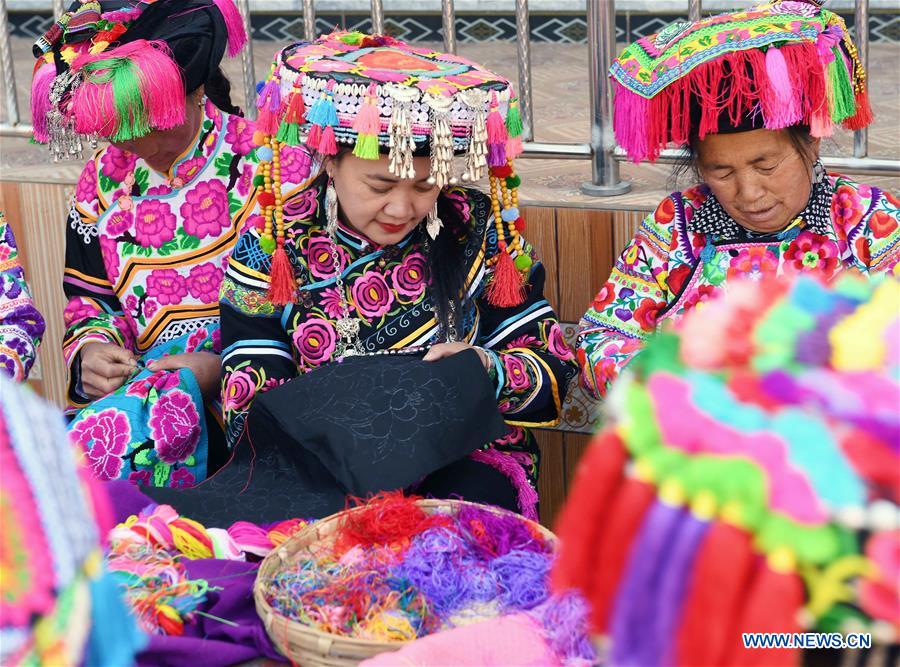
(751, 97)
(154, 216)
(381, 253)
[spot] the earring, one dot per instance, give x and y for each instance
(331, 209)
(433, 223)
(818, 171)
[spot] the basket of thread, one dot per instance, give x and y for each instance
(396, 568)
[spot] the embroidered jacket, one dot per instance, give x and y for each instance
(386, 289)
(145, 251)
(21, 325)
(687, 250)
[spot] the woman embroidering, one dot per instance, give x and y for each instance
(752, 95)
(154, 215)
(384, 253)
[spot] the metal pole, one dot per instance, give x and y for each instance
(523, 53)
(448, 15)
(309, 21)
(861, 137)
(377, 17)
(6, 62)
(247, 62)
(694, 10)
(58, 8)
(601, 20)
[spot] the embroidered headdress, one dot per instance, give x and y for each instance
(748, 477)
(118, 70)
(776, 65)
(377, 95)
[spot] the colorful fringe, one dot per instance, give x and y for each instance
(751, 465)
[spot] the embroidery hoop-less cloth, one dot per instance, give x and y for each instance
(363, 425)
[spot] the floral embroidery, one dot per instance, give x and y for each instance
(104, 436)
(371, 294)
(811, 252)
(204, 281)
(174, 427)
(168, 286)
(315, 341)
(155, 223)
(409, 276)
(205, 209)
(756, 261)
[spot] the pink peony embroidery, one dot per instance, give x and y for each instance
(205, 209)
(239, 134)
(557, 344)
(87, 184)
(811, 252)
(204, 282)
(754, 262)
(182, 478)
(116, 163)
(160, 381)
(371, 294)
(78, 309)
(154, 223)
(189, 169)
(409, 276)
(150, 308)
(315, 341)
(119, 222)
(109, 250)
(174, 426)
(516, 372)
(239, 391)
(318, 256)
(167, 286)
(104, 436)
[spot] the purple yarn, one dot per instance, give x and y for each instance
(564, 618)
(440, 564)
(637, 593)
(522, 576)
(495, 534)
(678, 568)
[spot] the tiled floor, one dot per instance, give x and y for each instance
(562, 114)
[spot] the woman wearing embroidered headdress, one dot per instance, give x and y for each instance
(384, 252)
(750, 94)
(154, 215)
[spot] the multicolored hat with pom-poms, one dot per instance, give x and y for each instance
(376, 95)
(747, 480)
(779, 64)
(119, 69)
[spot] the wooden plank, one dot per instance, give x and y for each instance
(575, 446)
(584, 239)
(552, 479)
(541, 233)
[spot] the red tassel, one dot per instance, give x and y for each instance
(267, 122)
(581, 521)
(863, 116)
(772, 604)
(624, 517)
(722, 573)
(507, 288)
(296, 109)
(281, 277)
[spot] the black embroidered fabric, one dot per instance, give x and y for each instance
(711, 218)
(357, 427)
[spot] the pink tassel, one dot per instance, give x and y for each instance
(782, 109)
(314, 138)
(513, 147)
(327, 144)
(633, 114)
(368, 120)
(41, 82)
(234, 25)
(267, 122)
(93, 109)
(496, 128)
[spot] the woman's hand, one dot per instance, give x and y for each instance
(442, 350)
(104, 368)
(206, 367)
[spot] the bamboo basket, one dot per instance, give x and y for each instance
(308, 646)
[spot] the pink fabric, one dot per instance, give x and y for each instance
(505, 641)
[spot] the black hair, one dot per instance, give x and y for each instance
(218, 90)
(798, 135)
(447, 266)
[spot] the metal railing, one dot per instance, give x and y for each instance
(602, 150)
